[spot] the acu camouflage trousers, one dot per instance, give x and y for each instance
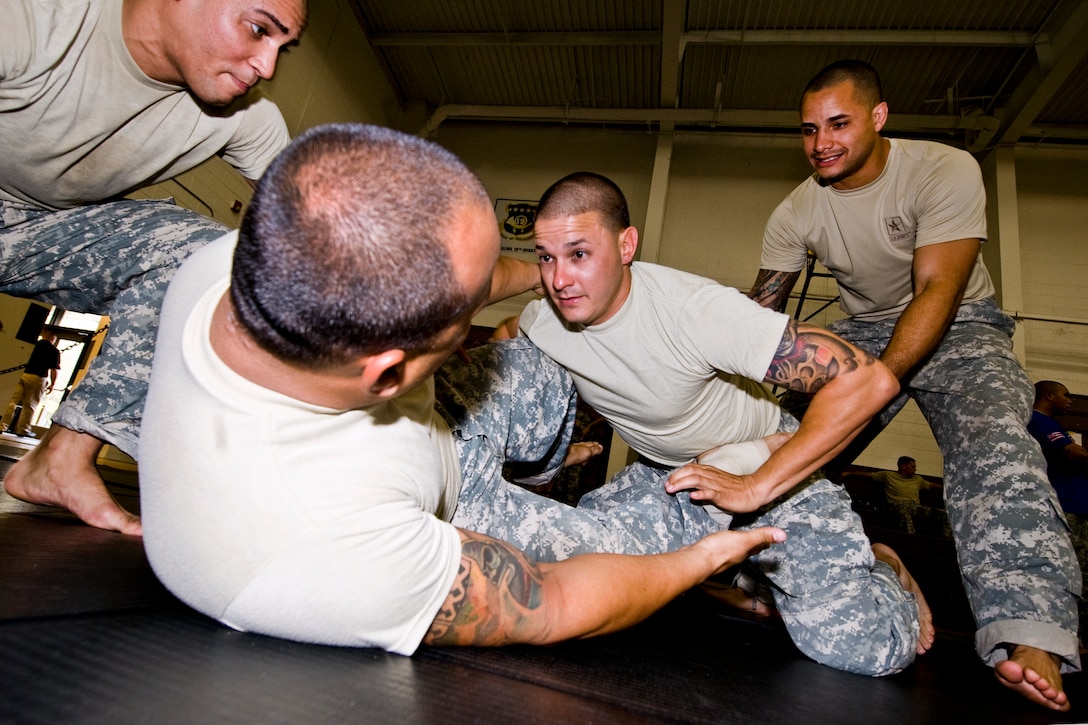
(114, 259)
(1012, 541)
(512, 403)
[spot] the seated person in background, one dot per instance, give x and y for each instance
(901, 491)
(673, 361)
(314, 498)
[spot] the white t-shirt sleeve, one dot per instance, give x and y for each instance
(735, 334)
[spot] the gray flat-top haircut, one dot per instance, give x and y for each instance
(343, 250)
(864, 76)
(583, 192)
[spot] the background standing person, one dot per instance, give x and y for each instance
(97, 99)
(1066, 467)
(38, 378)
(899, 223)
(1066, 460)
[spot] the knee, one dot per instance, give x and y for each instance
(871, 631)
(874, 652)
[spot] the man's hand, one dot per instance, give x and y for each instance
(729, 548)
(736, 494)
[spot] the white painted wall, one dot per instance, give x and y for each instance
(1052, 193)
(13, 352)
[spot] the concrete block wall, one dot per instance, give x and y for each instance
(1052, 190)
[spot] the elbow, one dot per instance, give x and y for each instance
(885, 385)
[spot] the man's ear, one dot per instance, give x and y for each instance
(880, 115)
(383, 374)
(628, 244)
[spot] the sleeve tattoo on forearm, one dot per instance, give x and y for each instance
(772, 289)
(497, 576)
(809, 357)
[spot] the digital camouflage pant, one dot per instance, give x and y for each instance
(512, 403)
(114, 259)
(1015, 557)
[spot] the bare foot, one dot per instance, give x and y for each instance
(1035, 674)
(926, 632)
(60, 471)
(581, 452)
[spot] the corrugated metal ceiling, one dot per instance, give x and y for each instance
(985, 71)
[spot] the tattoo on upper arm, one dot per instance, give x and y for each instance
(772, 289)
(809, 357)
(495, 589)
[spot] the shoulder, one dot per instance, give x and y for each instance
(669, 280)
(1047, 430)
(543, 326)
(669, 291)
(807, 192)
(799, 206)
(36, 33)
(259, 134)
(934, 156)
(1041, 422)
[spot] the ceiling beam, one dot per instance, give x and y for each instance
(1054, 62)
(862, 37)
(747, 119)
(716, 37)
(403, 40)
(673, 19)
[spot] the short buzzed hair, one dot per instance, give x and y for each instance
(583, 192)
(904, 460)
(1044, 388)
(864, 77)
(344, 250)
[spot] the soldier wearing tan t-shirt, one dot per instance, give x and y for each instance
(900, 224)
(97, 99)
